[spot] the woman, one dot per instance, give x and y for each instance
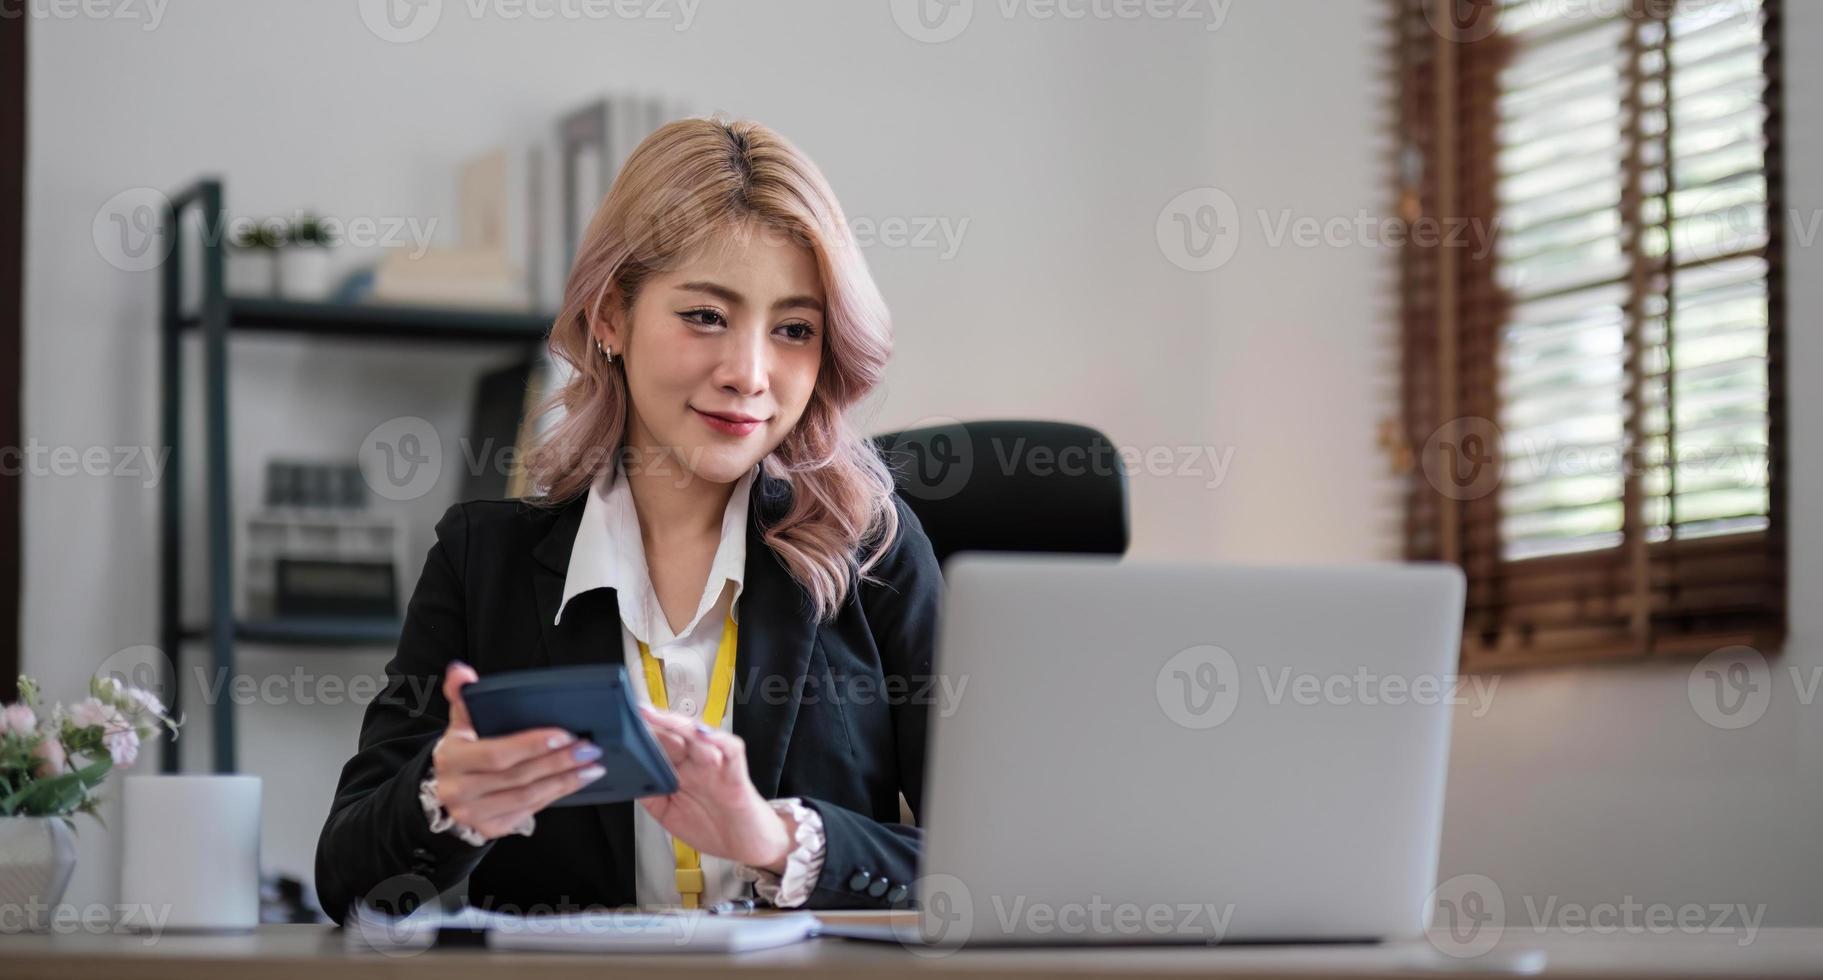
(707, 517)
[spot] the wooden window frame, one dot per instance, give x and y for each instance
(1639, 599)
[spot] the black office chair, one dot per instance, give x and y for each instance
(1012, 486)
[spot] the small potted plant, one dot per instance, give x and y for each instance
(303, 261)
(252, 261)
(51, 763)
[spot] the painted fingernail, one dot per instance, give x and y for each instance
(591, 774)
(558, 741)
(705, 729)
(586, 752)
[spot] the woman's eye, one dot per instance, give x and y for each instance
(705, 317)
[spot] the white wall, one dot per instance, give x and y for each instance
(1593, 785)
(1058, 142)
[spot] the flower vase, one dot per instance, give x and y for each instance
(37, 857)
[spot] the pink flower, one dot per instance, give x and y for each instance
(123, 747)
(19, 719)
(144, 700)
(51, 758)
(92, 713)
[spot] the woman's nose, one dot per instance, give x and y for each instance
(745, 361)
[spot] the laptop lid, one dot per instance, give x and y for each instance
(1151, 751)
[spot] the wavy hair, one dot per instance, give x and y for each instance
(687, 183)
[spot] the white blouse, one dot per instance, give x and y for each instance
(609, 552)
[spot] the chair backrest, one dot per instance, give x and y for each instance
(1012, 486)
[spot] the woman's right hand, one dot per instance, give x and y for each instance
(493, 784)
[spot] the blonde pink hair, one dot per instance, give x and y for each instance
(684, 185)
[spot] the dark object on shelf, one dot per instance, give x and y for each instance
(379, 321)
(593, 142)
(315, 631)
(354, 287)
(218, 317)
(315, 512)
(327, 485)
(325, 587)
(587, 169)
(494, 430)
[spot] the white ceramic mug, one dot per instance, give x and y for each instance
(191, 851)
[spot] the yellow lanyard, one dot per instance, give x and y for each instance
(689, 864)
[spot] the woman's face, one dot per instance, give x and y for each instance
(735, 331)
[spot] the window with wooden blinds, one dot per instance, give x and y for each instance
(1593, 415)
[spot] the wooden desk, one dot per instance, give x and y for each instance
(283, 952)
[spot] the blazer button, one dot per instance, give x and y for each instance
(858, 883)
(879, 886)
(897, 894)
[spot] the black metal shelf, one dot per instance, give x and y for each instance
(311, 631)
(219, 317)
(377, 320)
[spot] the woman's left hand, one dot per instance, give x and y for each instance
(716, 808)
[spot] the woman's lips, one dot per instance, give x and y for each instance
(726, 427)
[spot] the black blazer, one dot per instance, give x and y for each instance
(834, 713)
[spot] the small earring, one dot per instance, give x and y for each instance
(606, 352)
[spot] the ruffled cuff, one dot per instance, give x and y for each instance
(802, 865)
(440, 821)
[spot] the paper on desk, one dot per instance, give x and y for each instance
(633, 932)
(619, 932)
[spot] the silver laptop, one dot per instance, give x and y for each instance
(1140, 751)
